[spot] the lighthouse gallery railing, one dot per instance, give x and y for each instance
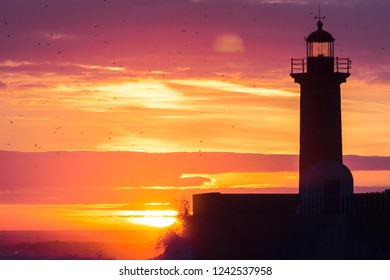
(341, 65)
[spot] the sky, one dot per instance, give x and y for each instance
(172, 83)
(160, 76)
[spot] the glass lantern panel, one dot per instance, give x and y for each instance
(320, 49)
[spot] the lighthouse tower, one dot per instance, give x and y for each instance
(325, 184)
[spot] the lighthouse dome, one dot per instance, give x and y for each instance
(320, 35)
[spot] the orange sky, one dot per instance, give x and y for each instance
(188, 76)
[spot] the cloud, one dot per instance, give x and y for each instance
(367, 163)
(125, 178)
(231, 87)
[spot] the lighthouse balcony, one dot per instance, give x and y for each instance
(340, 65)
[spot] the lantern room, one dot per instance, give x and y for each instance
(319, 43)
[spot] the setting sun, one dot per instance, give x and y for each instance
(153, 218)
(158, 222)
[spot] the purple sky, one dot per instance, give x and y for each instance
(132, 32)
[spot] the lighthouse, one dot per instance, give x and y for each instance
(325, 183)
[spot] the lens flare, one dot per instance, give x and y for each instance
(228, 43)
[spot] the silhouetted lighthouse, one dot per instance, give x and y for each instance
(325, 184)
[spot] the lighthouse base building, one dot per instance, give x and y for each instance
(268, 226)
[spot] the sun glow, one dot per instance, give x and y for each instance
(152, 218)
(158, 222)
